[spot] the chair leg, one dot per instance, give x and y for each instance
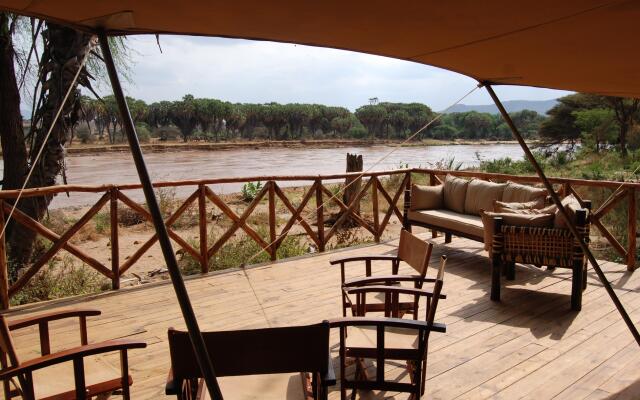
(576, 287)
(584, 277)
(447, 237)
(511, 271)
(496, 267)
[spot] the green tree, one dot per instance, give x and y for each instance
(183, 115)
(597, 126)
(373, 118)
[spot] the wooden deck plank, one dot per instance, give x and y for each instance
(528, 345)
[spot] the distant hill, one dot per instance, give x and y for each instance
(540, 106)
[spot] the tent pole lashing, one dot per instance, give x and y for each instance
(200, 350)
(565, 215)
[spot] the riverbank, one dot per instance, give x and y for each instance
(158, 146)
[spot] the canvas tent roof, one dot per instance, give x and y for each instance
(580, 45)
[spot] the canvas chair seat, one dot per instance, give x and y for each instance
(52, 381)
(396, 338)
(260, 387)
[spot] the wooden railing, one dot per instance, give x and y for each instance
(317, 199)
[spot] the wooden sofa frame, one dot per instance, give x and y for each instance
(504, 256)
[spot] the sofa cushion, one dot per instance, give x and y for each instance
(571, 204)
(450, 220)
(501, 206)
(455, 192)
(516, 193)
(481, 195)
(426, 197)
(515, 217)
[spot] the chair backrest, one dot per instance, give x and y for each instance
(379, 349)
(254, 351)
(392, 296)
(414, 251)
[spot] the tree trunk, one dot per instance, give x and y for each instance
(352, 185)
(65, 49)
(14, 150)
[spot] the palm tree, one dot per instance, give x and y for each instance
(64, 51)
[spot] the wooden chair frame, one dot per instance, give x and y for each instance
(416, 358)
(393, 308)
(303, 349)
(411, 249)
(13, 368)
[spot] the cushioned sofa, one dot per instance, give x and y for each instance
(514, 222)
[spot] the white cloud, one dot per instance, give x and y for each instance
(250, 71)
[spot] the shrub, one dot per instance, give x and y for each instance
(250, 190)
(244, 249)
(103, 222)
(144, 133)
(84, 134)
(60, 278)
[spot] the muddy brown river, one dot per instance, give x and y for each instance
(118, 167)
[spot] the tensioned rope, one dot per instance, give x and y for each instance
(34, 163)
(381, 159)
(359, 176)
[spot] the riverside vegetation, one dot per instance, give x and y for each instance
(592, 148)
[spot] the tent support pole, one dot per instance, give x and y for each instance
(564, 213)
(197, 341)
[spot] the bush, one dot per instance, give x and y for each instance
(60, 278)
(241, 250)
(144, 133)
(357, 132)
(84, 135)
(250, 190)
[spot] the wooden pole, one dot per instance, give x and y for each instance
(200, 349)
(632, 230)
(376, 212)
(115, 243)
(202, 223)
(272, 219)
(4, 266)
(564, 213)
(320, 214)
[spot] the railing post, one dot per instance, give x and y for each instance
(320, 214)
(376, 216)
(632, 230)
(202, 223)
(4, 266)
(433, 182)
(272, 219)
(115, 244)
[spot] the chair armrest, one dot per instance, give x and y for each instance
(330, 377)
(171, 387)
(386, 278)
(69, 355)
(392, 289)
(52, 316)
(363, 258)
(390, 322)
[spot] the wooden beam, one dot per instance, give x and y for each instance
(632, 230)
(320, 214)
(4, 266)
(202, 226)
(272, 220)
(115, 242)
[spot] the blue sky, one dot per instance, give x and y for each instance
(249, 71)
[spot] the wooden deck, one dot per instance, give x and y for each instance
(528, 346)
